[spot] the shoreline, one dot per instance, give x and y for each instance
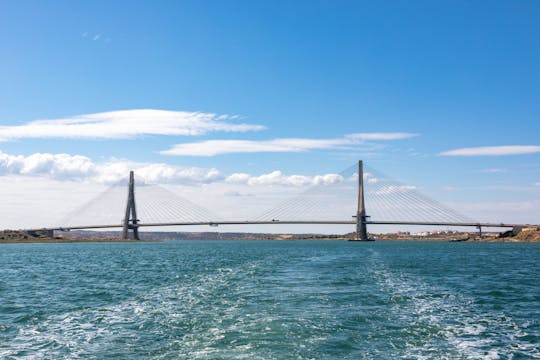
(59, 241)
(525, 235)
(118, 240)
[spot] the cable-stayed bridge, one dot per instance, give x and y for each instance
(357, 197)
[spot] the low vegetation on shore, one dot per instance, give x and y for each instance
(22, 236)
(526, 234)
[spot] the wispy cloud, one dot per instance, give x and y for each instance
(218, 147)
(493, 150)
(95, 36)
(381, 136)
(493, 171)
(126, 124)
(537, 184)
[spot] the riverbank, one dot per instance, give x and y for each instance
(24, 237)
(62, 240)
(529, 234)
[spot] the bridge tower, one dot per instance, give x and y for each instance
(361, 227)
(130, 218)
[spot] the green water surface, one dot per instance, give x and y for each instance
(270, 300)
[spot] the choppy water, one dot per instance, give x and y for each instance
(269, 300)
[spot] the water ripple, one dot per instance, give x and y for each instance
(269, 300)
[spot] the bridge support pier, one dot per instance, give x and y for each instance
(361, 226)
(130, 218)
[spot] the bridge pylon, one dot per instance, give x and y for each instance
(130, 218)
(361, 217)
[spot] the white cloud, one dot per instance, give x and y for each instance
(78, 167)
(493, 150)
(537, 184)
(328, 179)
(218, 147)
(278, 178)
(163, 173)
(58, 166)
(65, 167)
(238, 178)
(381, 136)
(117, 171)
(126, 124)
(368, 177)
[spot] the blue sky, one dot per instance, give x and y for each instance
(428, 77)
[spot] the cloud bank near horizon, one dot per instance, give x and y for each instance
(493, 150)
(127, 124)
(220, 147)
(278, 178)
(66, 167)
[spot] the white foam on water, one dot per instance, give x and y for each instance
(457, 323)
(82, 332)
(196, 316)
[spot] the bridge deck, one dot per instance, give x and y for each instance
(287, 222)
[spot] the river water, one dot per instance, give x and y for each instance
(270, 300)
